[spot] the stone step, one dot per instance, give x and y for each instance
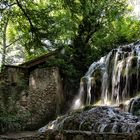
(26, 135)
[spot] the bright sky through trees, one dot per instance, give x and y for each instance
(39, 26)
(136, 7)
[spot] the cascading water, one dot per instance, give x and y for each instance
(138, 65)
(114, 78)
(78, 100)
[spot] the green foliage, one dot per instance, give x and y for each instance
(121, 31)
(99, 25)
(87, 107)
(12, 116)
(63, 61)
(86, 29)
(13, 120)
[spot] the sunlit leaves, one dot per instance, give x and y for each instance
(95, 22)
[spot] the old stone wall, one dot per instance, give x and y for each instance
(13, 83)
(72, 135)
(87, 135)
(45, 96)
(36, 96)
(22, 138)
(26, 135)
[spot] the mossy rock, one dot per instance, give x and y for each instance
(84, 79)
(86, 126)
(134, 61)
(97, 74)
(135, 106)
(132, 70)
(87, 107)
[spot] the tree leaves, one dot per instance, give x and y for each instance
(88, 24)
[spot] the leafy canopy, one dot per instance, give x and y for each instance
(89, 27)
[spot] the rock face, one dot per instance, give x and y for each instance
(99, 119)
(134, 106)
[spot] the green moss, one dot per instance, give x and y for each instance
(134, 61)
(75, 112)
(97, 74)
(11, 117)
(132, 70)
(86, 126)
(84, 79)
(123, 72)
(12, 120)
(87, 107)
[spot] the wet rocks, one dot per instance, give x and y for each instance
(86, 135)
(134, 106)
(98, 119)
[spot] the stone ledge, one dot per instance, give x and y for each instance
(88, 135)
(21, 136)
(70, 135)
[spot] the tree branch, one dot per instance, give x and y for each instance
(25, 14)
(93, 30)
(4, 42)
(13, 42)
(9, 5)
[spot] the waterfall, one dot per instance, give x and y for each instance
(105, 78)
(138, 65)
(78, 100)
(112, 81)
(114, 78)
(88, 99)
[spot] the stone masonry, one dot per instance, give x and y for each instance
(88, 135)
(36, 93)
(71, 135)
(45, 95)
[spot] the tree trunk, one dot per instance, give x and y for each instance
(4, 46)
(81, 44)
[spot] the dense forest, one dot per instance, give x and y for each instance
(86, 29)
